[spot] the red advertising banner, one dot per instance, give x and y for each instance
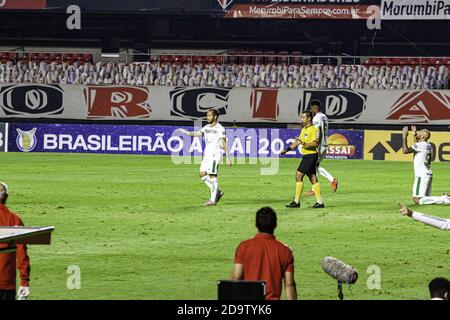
(263, 103)
(299, 11)
(117, 102)
(23, 4)
(421, 107)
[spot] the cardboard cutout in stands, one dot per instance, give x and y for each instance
(241, 290)
(26, 235)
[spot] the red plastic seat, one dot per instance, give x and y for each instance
(186, 59)
(369, 61)
(213, 59)
(428, 61)
(42, 56)
(296, 59)
(257, 56)
(34, 57)
(394, 61)
(87, 57)
(77, 57)
(411, 61)
(11, 55)
(270, 57)
(166, 59)
(198, 60)
(177, 59)
(52, 56)
(67, 57)
(244, 57)
(231, 59)
(283, 57)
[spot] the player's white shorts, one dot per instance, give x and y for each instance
(210, 165)
(422, 186)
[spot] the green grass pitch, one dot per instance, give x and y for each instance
(136, 228)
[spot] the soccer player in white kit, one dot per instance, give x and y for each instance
(320, 121)
(423, 177)
(443, 224)
(215, 141)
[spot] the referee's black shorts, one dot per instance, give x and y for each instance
(308, 165)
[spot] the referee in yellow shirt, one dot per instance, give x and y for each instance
(309, 139)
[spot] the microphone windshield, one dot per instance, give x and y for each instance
(340, 271)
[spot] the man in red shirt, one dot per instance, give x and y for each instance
(8, 260)
(265, 258)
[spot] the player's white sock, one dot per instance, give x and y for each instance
(207, 181)
(215, 187)
(435, 200)
(326, 174)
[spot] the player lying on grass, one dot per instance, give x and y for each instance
(443, 224)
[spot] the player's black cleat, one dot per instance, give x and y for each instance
(293, 204)
(219, 195)
(318, 205)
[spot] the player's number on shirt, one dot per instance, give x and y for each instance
(428, 160)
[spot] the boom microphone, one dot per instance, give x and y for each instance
(340, 271)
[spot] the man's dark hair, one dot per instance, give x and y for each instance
(315, 103)
(214, 111)
(438, 287)
(308, 114)
(266, 220)
(4, 193)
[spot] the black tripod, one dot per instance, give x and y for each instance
(340, 293)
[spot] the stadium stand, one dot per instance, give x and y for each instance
(235, 68)
(179, 70)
